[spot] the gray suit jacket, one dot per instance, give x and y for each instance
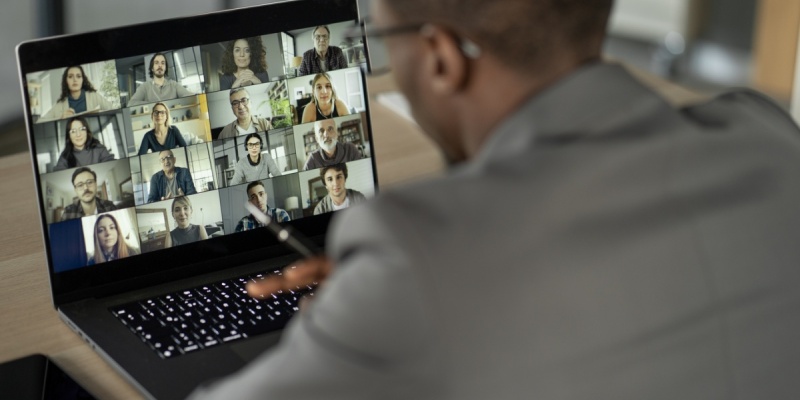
(602, 246)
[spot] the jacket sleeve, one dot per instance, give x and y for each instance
(182, 91)
(105, 155)
(178, 136)
(341, 60)
(272, 168)
(154, 192)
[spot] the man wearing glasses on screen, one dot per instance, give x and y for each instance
(245, 122)
(323, 57)
(171, 181)
(84, 180)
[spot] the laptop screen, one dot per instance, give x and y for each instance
(147, 141)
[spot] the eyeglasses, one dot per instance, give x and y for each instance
(253, 145)
(244, 101)
(164, 159)
(159, 112)
(75, 131)
(321, 38)
(82, 185)
(376, 38)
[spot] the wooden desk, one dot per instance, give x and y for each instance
(28, 321)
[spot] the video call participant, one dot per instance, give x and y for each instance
(109, 241)
(171, 181)
(245, 122)
(244, 63)
(324, 104)
(160, 87)
(323, 57)
(330, 151)
(257, 196)
(164, 135)
(185, 231)
(84, 180)
(77, 96)
(339, 197)
(256, 164)
(81, 147)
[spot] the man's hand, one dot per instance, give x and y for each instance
(308, 272)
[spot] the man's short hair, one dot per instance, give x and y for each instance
(336, 167)
(166, 64)
(531, 32)
(82, 170)
(254, 184)
(314, 32)
(237, 90)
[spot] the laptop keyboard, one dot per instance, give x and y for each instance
(208, 315)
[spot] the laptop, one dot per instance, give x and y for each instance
(146, 143)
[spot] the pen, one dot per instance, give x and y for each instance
(295, 240)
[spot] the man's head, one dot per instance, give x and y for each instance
(84, 180)
(240, 103)
(257, 195)
(327, 134)
(158, 66)
(476, 61)
(167, 161)
(321, 36)
(334, 178)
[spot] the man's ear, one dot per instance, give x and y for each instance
(445, 64)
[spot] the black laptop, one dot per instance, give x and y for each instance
(147, 141)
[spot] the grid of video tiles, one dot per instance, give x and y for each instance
(158, 150)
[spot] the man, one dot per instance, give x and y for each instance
(339, 197)
(257, 196)
(159, 87)
(330, 151)
(323, 57)
(245, 122)
(592, 242)
(171, 181)
(84, 181)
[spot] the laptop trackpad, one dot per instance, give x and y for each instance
(249, 349)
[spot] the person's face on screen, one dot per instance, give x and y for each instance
(182, 213)
(334, 182)
(327, 134)
(240, 103)
(258, 197)
(323, 90)
(107, 233)
(253, 147)
(85, 186)
(167, 160)
(159, 115)
(77, 135)
(241, 54)
(321, 40)
(159, 66)
(74, 79)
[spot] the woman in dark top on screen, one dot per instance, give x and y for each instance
(185, 231)
(163, 136)
(81, 147)
(244, 63)
(325, 103)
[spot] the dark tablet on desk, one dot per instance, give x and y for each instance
(37, 378)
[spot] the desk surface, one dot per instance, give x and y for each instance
(29, 322)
